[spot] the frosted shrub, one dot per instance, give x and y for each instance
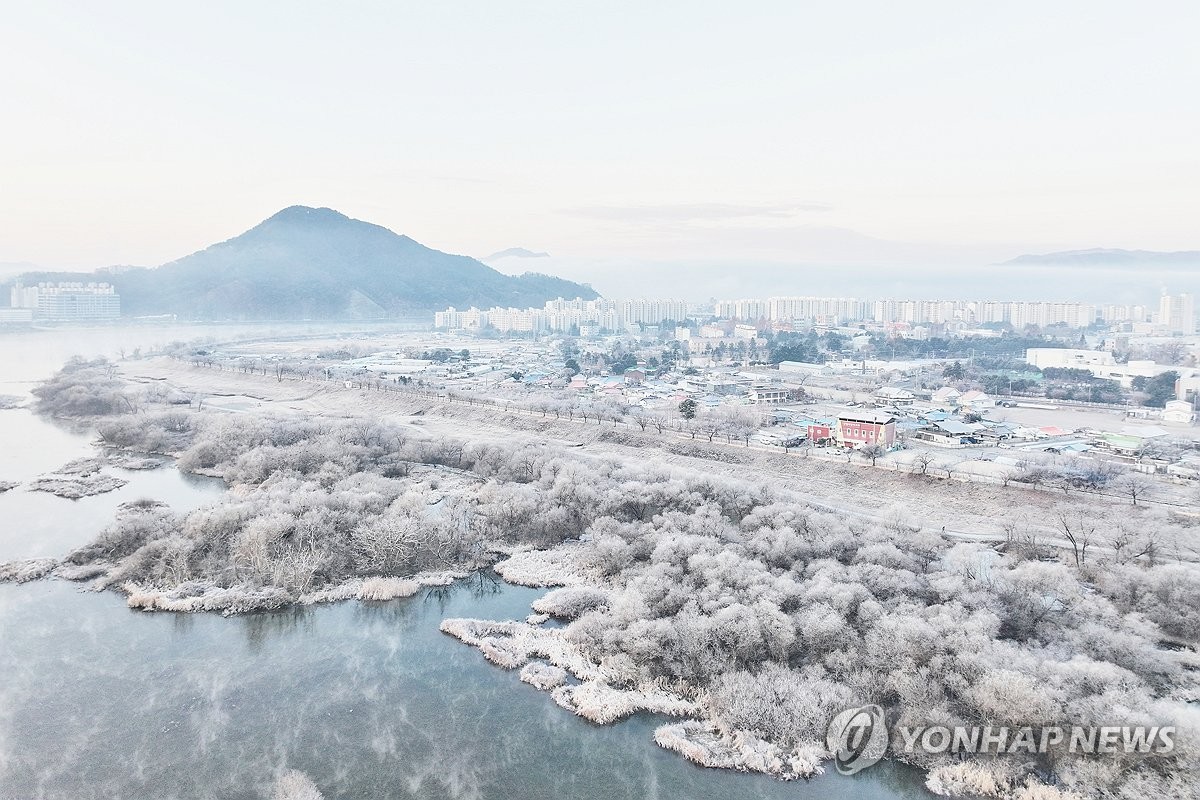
(706, 745)
(166, 432)
(72, 572)
(76, 488)
(543, 676)
(968, 779)
(29, 570)
(388, 588)
(206, 598)
(136, 523)
(698, 742)
(569, 603)
(1035, 790)
(779, 704)
(538, 568)
(1004, 696)
(84, 389)
(1171, 597)
(602, 704)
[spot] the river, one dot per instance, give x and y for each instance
(368, 699)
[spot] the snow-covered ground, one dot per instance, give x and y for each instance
(972, 510)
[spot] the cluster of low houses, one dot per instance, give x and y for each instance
(530, 368)
(711, 389)
(953, 419)
(948, 418)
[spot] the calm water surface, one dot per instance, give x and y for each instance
(369, 699)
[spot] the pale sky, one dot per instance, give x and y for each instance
(138, 132)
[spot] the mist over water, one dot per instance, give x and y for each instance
(368, 699)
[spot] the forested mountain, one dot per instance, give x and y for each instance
(318, 263)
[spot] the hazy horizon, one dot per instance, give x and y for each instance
(779, 134)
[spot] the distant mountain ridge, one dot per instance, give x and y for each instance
(8, 268)
(516, 252)
(317, 263)
(1107, 257)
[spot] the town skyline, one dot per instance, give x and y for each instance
(1173, 314)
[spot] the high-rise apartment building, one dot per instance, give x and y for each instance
(1177, 313)
(69, 301)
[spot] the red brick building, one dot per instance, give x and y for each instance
(819, 433)
(866, 427)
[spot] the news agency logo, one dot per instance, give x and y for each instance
(858, 738)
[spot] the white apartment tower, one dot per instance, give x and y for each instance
(68, 301)
(1177, 313)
